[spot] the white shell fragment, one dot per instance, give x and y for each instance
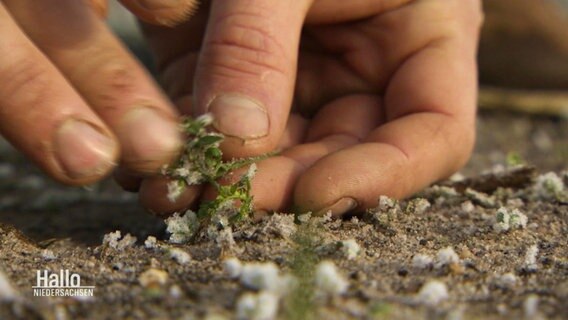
(182, 227)
(232, 267)
(350, 248)
(257, 306)
(432, 293)
(260, 276)
(180, 256)
(446, 257)
(328, 279)
(7, 292)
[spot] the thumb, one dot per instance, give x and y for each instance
(247, 69)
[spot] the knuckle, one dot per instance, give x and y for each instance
(244, 45)
(116, 81)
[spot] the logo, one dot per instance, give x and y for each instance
(62, 284)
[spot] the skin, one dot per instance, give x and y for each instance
(362, 98)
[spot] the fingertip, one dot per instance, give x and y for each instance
(150, 139)
(153, 195)
(83, 151)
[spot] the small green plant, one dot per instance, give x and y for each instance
(202, 162)
(514, 159)
(303, 261)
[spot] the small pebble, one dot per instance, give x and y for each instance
(153, 278)
(7, 292)
(507, 280)
(350, 248)
(180, 256)
(467, 206)
(151, 242)
(433, 293)
(530, 306)
(418, 206)
(113, 240)
(530, 259)
(257, 306)
(328, 279)
(175, 291)
(422, 261)
(47, 254)
(261, 276)
(446, 257)
(232, 267)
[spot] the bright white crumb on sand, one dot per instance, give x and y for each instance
(257, 306)
(506, 219)
(47, 254)
(260, 276)
(153, 277)
(530, 258)
(467, 206)
(480, 198)
(113, 240)
(445, 257)
(507, 280)
(7, 292)
(418, 206)
(151, 242)
(179, 255)
(232, 267)
(328, 279)
(386, 203)
(530, 306)
(422, 261)
(432, 293)
(350, 248)
(182, 227)
(548, 186)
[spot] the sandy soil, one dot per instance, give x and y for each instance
(519, 273)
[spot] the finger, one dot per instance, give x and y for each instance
(430, 104)
(295, 132)
(44, 117)
(332, 11)
(162, 12)
(100, 7)
(273, 184)
(105, 74)
(246, 71)
(276, 177)
(154, 196)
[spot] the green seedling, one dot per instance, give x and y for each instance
(514, 159)
(202, 162)
(303, 261)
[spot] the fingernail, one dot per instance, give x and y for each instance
(148, 137)
(239, 117)
(82, 150)
(339, 208)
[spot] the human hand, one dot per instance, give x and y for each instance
(73, 99)
(363, 98)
